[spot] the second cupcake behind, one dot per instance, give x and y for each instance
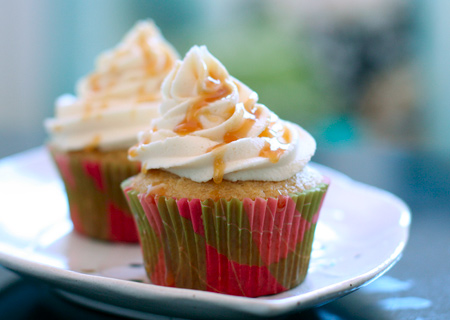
(91, 132)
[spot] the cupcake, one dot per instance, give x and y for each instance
(225, 201)
(92, 131)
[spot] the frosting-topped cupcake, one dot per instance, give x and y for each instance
(92, 131)
(226, 201)
(212, 127)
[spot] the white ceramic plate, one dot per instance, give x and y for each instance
(361, 233)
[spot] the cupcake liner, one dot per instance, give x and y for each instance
(246, 248)
(97, 205)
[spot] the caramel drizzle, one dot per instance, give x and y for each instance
(96, 80)
(219, 167)
(216, 89)
(277, 141)
(251, 115)
(87, 111)
(150, 62)
(95, 84)
(92, 108)
(149, 59)
(144, 96)
(272, 154)
(241, 132)
(132, 152)
(191, 122)
(169, 62)
(94, 143)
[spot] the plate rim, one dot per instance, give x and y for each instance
(73, 281)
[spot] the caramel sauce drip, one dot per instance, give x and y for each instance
(191, 122)
(94, 82)
(144, 96)
(169, 62)
(253, 114)
(103, 105)
(217, 146)
(216, 89)
(275, 148)
(149, 59)
(146, 140)
(287, 135)
(266, 133)
(213, 118)
(239, 133)
(250, 105)
(87, 111)
(272, 154)
(132, 152)
(150, 70)
(94, 143)
(219, 168)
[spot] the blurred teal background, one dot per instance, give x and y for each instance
(356, 73)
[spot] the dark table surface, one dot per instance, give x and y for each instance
(417, 287)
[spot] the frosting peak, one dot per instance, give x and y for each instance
(212, 127)
(143, 54)
(119, 98)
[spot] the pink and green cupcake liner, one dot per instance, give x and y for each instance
(246, 248)
(98, 208)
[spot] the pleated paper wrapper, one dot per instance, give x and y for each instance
(98, 208)
(247, 248)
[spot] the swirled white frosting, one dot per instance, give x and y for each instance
(212, 127)
(119, 98)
